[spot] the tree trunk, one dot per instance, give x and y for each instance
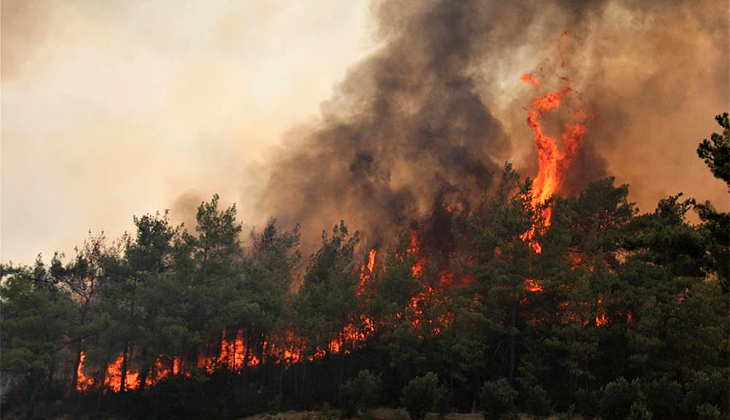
(33, 398)
(512, 343)
(99, 382)
(266, 346)
(342, 358)
(144, 371)
(304, 376)
(98, 399)
(123, 384)
(194, 356)
(125, 354)
(260, 347)
(246, 351)
(477, 390)
(77, 363)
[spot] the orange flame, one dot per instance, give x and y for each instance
(82, 382)
(533, 286)
(415, 249)
(113, 377)
(601, 318)
(528, 78)
(553, 162)
(366, 271)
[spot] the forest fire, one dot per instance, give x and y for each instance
(234, 354)
(237, 352)
(112, 375)
(434, 222)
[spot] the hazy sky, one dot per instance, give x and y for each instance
(115, 108)
(123, 107)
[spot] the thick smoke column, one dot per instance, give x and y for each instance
(406, 123)
(423, 115)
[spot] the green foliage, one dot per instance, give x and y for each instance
(35, 320)
(535, 399)
(568, 415)
(498, 399)
(708, 411)
(716, 154)
(663, 397)
(359, 393)
(587, 401)
(424, 394)
(617, 398)
(35, 327)
(706, 388)
(639, 411)
(326, 300)
(716, 151)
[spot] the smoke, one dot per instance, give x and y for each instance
(406, 122)
(114, 110)
(439, 106)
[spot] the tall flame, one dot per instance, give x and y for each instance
(553, 159)
(82, 382)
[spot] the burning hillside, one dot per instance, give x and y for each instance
(437, 271)
(436, 275)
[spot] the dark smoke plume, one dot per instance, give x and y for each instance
(428, 111)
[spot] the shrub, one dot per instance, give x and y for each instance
(441, 400)
(535, 400)
(498, 398)
(424, 394)
(586, 401)
(568, 415)
(639, 411)
(708, 411)
(705, 388)
(663, 397)
(617, 398)
(326, 412)
(359, 393)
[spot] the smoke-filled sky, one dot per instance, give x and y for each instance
(116, 108)
(315, 111)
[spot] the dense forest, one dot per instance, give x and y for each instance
(479, 306)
